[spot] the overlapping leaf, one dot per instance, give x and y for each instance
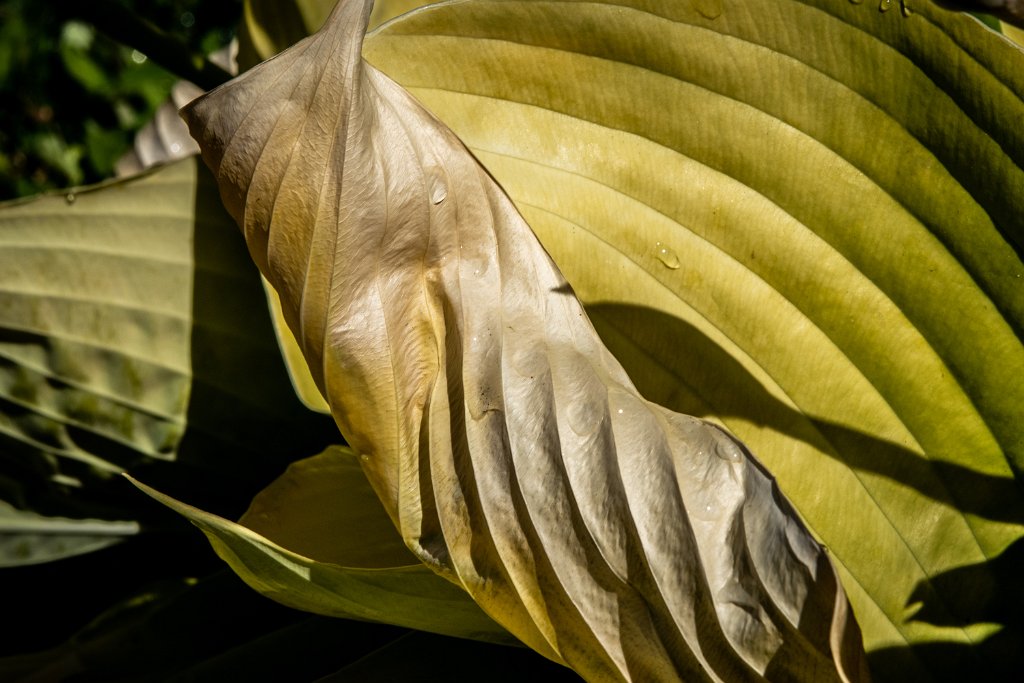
(29, 538)
(305, 546)
(803, 219)
(133, 331)
(506, 443)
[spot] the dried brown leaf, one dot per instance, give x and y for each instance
(507, 444)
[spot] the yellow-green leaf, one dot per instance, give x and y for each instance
(806, 220)
(318, 540)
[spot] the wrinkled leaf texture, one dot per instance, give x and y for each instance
(506, 443)
(804, 219)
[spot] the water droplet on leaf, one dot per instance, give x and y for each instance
(709, 9)
(885, 5)
(585, 416)
(439, 191)
(529, 362)
(703, 510)
(667, 256)
(70, 198)
(728, 450)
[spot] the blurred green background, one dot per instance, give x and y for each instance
(73, 97)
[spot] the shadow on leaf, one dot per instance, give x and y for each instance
(706, 380)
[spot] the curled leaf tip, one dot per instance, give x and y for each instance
(507, 444)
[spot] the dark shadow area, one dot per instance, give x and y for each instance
(706, 381)
(712, 382)
(425, 657)
(214, 629)
(990, 592)
(985, 592)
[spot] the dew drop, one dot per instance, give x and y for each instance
(439, 191)
(885, 5)
(70, 197)
(364, 457)
(709, 9)
(529, 362)
(175, 147)
(479, 267)
(905, 8)
(584, 416)
(728, 450)
(703, 510)
(856, 2)
(667, 256)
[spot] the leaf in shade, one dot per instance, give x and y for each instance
(803, 219)
(329, 548)
(506, 443)
(28, 538)
(133, 332)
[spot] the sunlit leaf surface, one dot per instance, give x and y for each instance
(804, 220)
(507, 445)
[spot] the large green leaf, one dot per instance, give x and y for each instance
(318, 540)
(803, 219)
(134, 333)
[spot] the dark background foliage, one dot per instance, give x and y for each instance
(73, 96)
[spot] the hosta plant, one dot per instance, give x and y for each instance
(799, 220)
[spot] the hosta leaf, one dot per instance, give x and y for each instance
(806, 220)
(133, 331)
(328, 547)
(165, 137)
(507, 445)
(28, 538)
(269, 26)
(298, 371)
